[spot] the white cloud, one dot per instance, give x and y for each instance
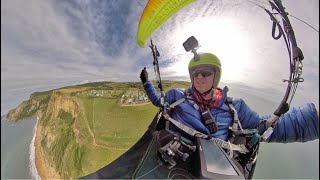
(265, 62)
(64, 40)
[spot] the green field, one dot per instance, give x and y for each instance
(115, 128)
(101, 129)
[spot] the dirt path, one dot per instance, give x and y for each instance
(142, 104)
(93, 136)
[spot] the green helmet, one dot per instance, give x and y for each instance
(207, 59)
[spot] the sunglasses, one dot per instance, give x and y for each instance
(205, 72)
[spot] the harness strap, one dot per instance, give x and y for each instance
(194, 133)
(177, 103)
(188, 97)
(229, 146)
(186, 129)
(194, 104)
(236, 122)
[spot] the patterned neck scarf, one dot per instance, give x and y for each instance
(210, 103)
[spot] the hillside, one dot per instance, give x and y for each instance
(82, 128)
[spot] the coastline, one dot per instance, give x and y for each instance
(44, 171)
(32, 164)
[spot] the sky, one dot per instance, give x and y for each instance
(50, 44)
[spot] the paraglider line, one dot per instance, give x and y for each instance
(150, 171)
(304, 22)
(178, 174)
(143, 159)
(262, 6)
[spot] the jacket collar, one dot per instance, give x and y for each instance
(224, 95)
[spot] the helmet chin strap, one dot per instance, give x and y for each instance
(205, 93)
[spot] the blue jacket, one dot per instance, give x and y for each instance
(299, 124)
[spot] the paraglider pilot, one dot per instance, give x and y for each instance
(205, 111)
(299, 124)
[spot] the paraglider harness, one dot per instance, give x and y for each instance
(243, 144)
(241, 149)
(174, 147)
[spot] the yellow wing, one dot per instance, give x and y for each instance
(155, 14)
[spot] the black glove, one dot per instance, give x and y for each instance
(144, 75)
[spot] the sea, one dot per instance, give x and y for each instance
(17, 149)
(275, 160)
(17, 139)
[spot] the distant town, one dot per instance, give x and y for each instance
(126, 97)
(133, 96)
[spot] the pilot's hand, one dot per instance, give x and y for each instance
(144, 75)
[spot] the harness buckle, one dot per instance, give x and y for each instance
(209, 121)
(267, 133)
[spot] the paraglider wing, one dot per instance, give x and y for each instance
(155, 14)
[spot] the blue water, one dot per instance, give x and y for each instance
(15, 144)
(16, 138)
(288, 161)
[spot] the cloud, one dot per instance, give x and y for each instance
(78, 38)
(264, 63)
(90, 40)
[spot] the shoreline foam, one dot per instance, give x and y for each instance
(32, 158)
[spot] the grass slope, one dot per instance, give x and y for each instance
(101, 130)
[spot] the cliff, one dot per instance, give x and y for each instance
(57, 136)
(83, 128)
(28, 108)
